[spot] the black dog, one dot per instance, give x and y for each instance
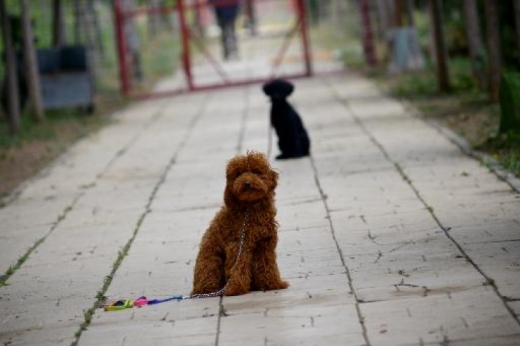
(293, 140)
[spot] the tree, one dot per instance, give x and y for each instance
(11, 89)
(494, 54)
(398, 13)
(58, 24)
(517, 23)
(31, 64)
(384, 24)
(87, 31)
(475, 45)
(367, 36)
(443, 77)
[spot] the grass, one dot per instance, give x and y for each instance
(47, 130)
(506, 149)
(100, 295)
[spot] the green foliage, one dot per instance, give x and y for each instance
(423, 27)
(461, 75)
(416, 84)
(511, 161)
(506, 149)
(510, 50)
(353, 58)
(455, 31)
(424, 83)
(510, 102)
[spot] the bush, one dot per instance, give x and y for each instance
(510, 103)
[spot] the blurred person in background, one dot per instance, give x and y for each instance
(226, 12)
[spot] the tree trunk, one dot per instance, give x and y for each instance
(385, 24)
(100, 47)
(517, 23)
(443, 77)
(11, 87)
(78, 21)
(398, 13)
(58, 24)
(90, 39)
(494, 54)
(409, 12)
(476, 47)
(383, 15)
(367, 35)
(31, 64)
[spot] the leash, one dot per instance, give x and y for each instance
(142, 301)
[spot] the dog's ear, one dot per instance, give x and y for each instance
(229, 199)
(274, 179)
(232, 171)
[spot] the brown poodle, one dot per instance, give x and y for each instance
(247, 217)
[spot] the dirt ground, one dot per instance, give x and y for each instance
(475, 124)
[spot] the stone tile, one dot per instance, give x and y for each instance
(61, 335)
(515, 306)
(178, 323)
(258, 329)
(501, 262)
(347, 207)
(510, 340)
(472, 314)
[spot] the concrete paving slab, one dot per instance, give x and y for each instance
(388, 235)
(48, 196)
(438, 318)
(82, 279)
(192, 324)
(515, 306)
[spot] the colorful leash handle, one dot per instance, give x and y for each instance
(120, 305)
(139, 302)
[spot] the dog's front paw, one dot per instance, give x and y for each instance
(236, 289)
(271, 286)
(283, 285)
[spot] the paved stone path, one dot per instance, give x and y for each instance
(389, 235)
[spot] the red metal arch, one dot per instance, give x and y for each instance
(188, 37)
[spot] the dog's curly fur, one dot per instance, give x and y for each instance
(293, 139)
(250, 186)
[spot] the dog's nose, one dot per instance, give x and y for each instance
(247, 185)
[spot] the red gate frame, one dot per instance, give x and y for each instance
(186, 35)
